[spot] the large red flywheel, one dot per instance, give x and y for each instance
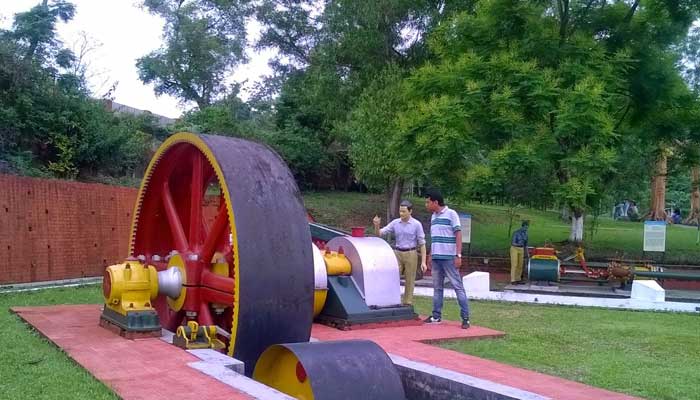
(245, 257)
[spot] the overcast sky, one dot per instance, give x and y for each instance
(126, 33)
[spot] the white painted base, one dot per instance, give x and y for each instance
(477, 282)
(648, 290)
(624, 304)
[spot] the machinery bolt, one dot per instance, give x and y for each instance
(191, 314)
(156, 258)
(141, 258)
(218, 310)
(193, 257)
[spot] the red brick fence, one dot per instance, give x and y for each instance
(54, 229)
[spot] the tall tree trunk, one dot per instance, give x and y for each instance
(657, 210)
(576, 235)
(393, 200)
(694, 214)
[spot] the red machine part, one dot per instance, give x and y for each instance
(171, 218)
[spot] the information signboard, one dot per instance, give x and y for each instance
(465, 220)
(655, 236)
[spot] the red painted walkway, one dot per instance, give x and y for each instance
(153, 369)
(140, 369)
(409, 343)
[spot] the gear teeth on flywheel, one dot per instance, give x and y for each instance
(142, 191)
(139, 201)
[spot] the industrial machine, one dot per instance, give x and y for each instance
(245, 275)
(544, 266)
(362, 283)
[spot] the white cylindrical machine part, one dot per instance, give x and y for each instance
(374, 268)
(170, 282)
(320, 273)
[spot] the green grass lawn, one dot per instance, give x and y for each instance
(645, 354)
(490, 227)
(651, 355)
(32, 367)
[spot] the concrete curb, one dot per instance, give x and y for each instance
(621, 304)
(424, 381)
(32, 286)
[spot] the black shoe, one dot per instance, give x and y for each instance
(431, 320)
(465, 324)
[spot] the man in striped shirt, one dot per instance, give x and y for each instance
(446, 256)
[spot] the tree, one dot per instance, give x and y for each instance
(35, 30)
(49, 126)
(568, 79)
(693, 217)
(330, 56)
(371, 130)
(690, 66)
(651, 31)
(507, 84)
(204, 40)
(292, 28)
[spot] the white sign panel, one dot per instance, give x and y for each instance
(655, 236)
(465, 220)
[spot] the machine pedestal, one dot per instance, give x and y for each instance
(134, 325)
(345, 307)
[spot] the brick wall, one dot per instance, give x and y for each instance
(52, 229)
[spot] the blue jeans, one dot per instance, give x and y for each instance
(442, 268)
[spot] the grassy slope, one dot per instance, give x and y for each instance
(646, 354)
(32, 367)
(490, 227)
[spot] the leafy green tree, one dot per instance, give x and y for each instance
(329, 57)
(204, 40)
(35, 30)
(371, 129)
(690, 66)
(49, 126)
(690, 60)
(651, 31)
(513, 80)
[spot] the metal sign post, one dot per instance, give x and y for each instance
(465, 221)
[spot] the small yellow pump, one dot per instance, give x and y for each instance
(128, 289)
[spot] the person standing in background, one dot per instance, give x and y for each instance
(409, 238)
(518, 250)
(445, 256)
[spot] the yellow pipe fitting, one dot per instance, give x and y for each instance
(336, 263)
(320, 296)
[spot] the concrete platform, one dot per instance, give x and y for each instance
(165, 371)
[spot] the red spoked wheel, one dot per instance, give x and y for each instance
(227, 213)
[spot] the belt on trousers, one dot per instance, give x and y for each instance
(515, 245)
(411, 249)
